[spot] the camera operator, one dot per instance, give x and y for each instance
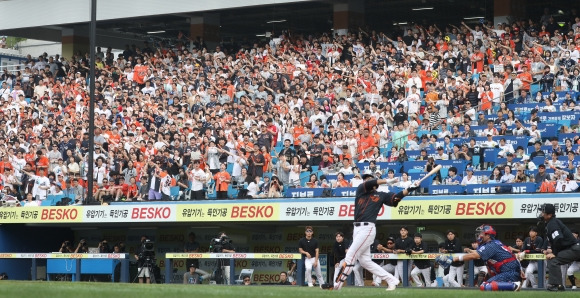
(104, 247)
(141, 257)
(82, 247)
(223, 244)
(66, 247)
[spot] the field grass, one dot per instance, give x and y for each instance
(85, 290)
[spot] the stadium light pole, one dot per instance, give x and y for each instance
(91, 150)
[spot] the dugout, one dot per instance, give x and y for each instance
(262, 226)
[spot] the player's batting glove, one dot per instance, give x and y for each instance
(413, 187)
(444, 260)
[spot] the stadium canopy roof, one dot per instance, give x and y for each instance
(135, 20)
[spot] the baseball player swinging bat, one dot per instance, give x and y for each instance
(432, 172)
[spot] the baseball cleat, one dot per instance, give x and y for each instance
(327, 287)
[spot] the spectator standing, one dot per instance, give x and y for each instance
(222, 181)
(198, 178)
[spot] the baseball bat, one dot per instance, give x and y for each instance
(433, 171)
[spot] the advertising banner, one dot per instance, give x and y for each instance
(483, 204)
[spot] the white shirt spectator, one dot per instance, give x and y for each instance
(38, 190)
(497, 90)
(566, 186)
(414, 101)
(469, 180)
(507, 178)
(441, 156)
(356, 181)
(505, 149)
(254, 188)
(493, 131)
(535, 135)
(404, 184)
(197, 179)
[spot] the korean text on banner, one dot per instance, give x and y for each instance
(134, 213)
(453, 209)
(41, 215)
(333, 210)
(229, 212)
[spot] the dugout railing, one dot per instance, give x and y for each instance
(470, 276)
(75, 264)
(300, 265)
(169, 257)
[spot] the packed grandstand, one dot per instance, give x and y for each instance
(295, 115)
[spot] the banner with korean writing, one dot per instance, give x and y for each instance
(232, 256)
(565, 207)
(453, 209)
(330, 210)
(130, 213)
(229, 212)
(41, 215)
(43, 255)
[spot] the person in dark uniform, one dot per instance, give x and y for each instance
(421, 266)
(339, 249)
(479, 268)
(284, 279)
(452, 245)
(368, 203)
(574, 266)
(565, 248)
(532, 245)
(402, 244)
(389, 265)
(308, 246)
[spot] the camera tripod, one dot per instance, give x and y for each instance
(149, 265)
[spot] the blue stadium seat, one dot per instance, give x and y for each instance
(475, 161)
(314, 169)
(411, 171)
(539, 160)
(232, 192)
(444, 172)
(53, 199)
(210, 190)
(565, 122)
(46, 203)
(174, 193)
(304, 177)
(534, 88)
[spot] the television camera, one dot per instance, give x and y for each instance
(217, 244)
(147, 253)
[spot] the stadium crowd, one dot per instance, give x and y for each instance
(252, 120)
